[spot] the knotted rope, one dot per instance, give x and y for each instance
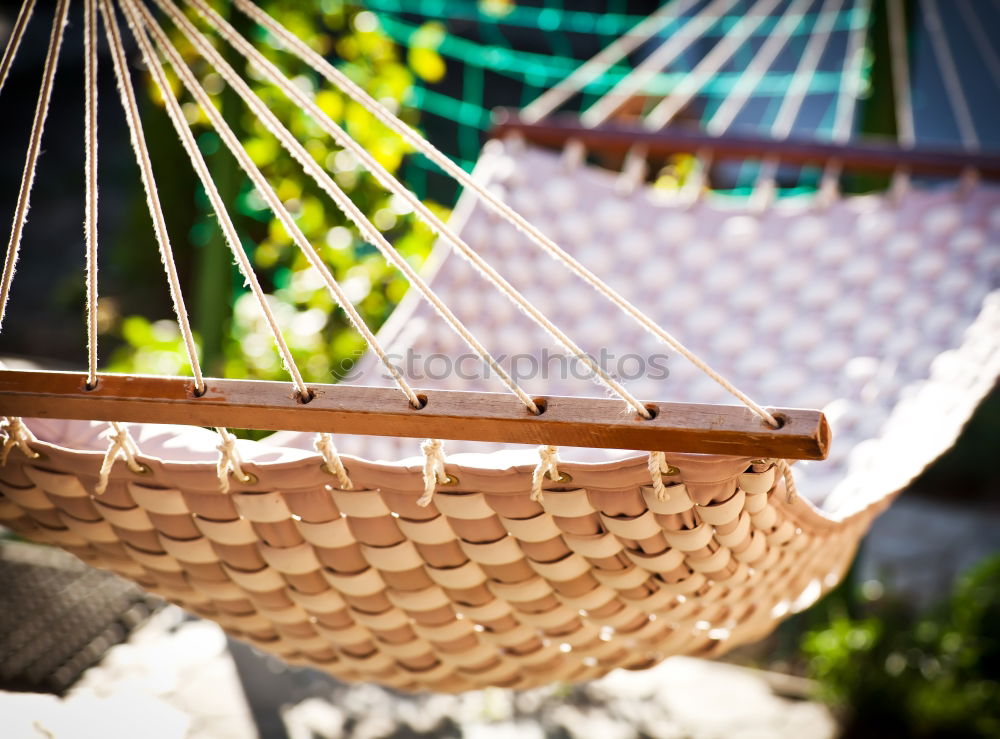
(658, 467)
(548, 460)
(230, 461)
(16, 434)
(123, 446)
(325, 446)
(434, 472)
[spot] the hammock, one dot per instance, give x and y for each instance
(507, 565)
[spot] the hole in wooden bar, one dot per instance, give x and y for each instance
(653, 409)
(542, 404)
(781, 418)
(304, 398)
(197, 392)
(88, 388)
(422, 400)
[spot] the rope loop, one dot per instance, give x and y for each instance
(434, 472)
(791, 491)
(16, 434)
(121, 446)
(325, 446)
(658, 467)
(548, 461)
(230, 462)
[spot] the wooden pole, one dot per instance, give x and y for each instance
(619, 138)
(473, 416)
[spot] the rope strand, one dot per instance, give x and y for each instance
(548, 461)
(434, 472)
(34, 149)
(90, 175)
(230, 461)
(269, 194)
(187, 139)
(542, 106)
(16, 434)
(356, 93)
(705, 70)
(16, 34)
(325, 446)
(141, 151)
(269, 71)
(121, 446)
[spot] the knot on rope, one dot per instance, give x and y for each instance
(230, 461)
(121, 445)
(548, 460)
(325, 446)
(434, 473)
(658, 467)
(16, 434)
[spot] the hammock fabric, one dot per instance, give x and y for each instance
(514, 573)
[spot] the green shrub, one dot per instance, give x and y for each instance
(897, 673)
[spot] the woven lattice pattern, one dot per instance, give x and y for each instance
(482, 587)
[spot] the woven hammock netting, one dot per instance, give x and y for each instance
(501, 565)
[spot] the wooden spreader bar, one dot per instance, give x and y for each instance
(618, 138)
(474, 416)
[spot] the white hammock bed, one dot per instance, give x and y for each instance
(501, 564)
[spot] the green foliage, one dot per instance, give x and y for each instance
(894, 673)
(318, 333)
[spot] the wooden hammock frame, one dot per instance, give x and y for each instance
(494, 417)
(484, 416)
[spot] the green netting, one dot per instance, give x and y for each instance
(504, 53)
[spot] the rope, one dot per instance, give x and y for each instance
(722, 52)
(548, 461)
(204, 175)
(949, 75)
(847, 99)
(986, 49)
(16, 34)
(269, 71)
(791, 105)
(90, 174)
(262, 185)
(754, 73)
(16, 434)
(597, 65)
(295, 46)
(123, 446)
(791, 492)
(434, 472)
(652, 65)
(230, 461)
(658, 467)
(141, 150)
(325, 446)
(34, 148)
(902, 100)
